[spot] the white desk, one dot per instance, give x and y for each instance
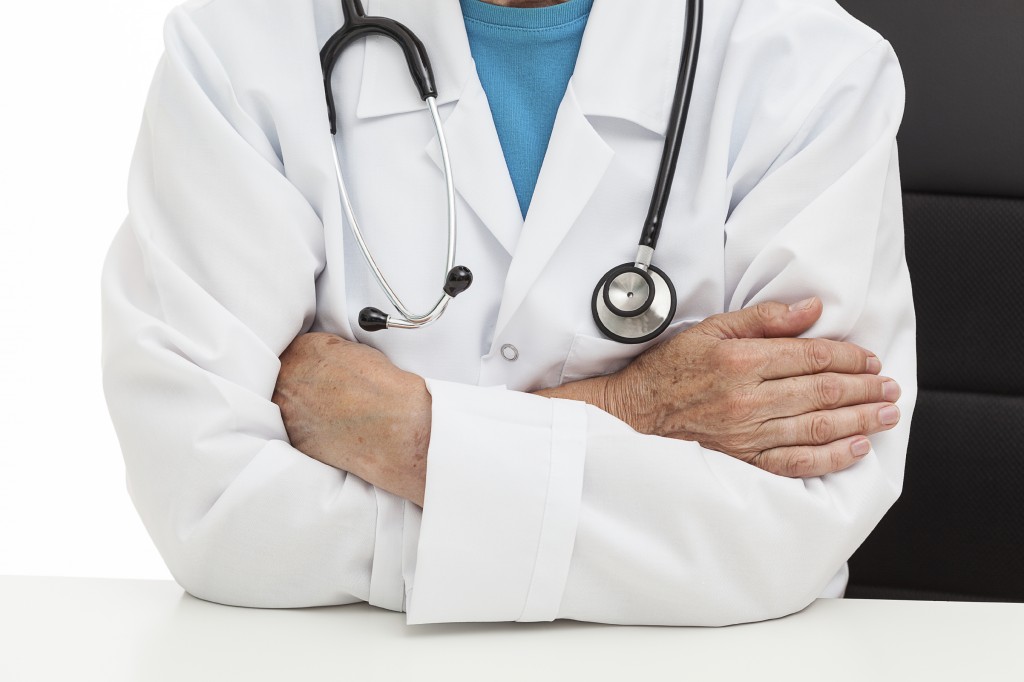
(71, 629)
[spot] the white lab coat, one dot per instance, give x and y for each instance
(788, 186)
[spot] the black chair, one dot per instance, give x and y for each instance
(957, 532)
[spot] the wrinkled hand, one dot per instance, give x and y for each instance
(346, 405)
(794, 407)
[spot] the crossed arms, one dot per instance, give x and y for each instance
(734, 383)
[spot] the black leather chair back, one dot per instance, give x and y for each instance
(957, 532)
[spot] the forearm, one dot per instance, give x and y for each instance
(592, 391)
(386, 438)
(346, 405)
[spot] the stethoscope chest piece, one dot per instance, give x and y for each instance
(633, 304)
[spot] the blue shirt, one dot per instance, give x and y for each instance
(524, 58)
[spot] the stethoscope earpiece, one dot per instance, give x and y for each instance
(375, 320)
(459, 279)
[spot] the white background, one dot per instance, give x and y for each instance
(73, 80)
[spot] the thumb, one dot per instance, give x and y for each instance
(766, 320)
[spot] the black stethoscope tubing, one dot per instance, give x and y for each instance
(677, 124)
(357, 25)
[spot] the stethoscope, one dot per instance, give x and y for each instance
(633, 302)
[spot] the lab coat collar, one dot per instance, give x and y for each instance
(387, 87)
(626, 69)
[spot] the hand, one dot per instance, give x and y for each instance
(794, 407)
(346, 405)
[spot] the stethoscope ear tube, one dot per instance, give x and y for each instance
(457, 278)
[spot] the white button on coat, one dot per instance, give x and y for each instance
(510, 352)
(787, 186)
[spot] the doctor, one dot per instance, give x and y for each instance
(509, 462)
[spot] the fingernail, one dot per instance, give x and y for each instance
(890, 391)
(802, 305)
(874, 365)
(861, 447)
(889, 415)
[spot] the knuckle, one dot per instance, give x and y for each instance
(799, 463)
(725, 325)
(819, 355)
(822, 429)
(829, 391)
(719, 318)
(873, 390)
(866, 419)
(758, 437)
(837, 459)
(765, 311)
(712, 326)
(740, 407)
(762, 460)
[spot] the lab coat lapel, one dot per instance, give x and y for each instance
(478, 164)
(574, 164)
(386, 86)
(629, 61)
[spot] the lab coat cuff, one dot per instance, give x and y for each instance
(504, 485)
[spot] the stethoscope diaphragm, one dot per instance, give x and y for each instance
(632, 304)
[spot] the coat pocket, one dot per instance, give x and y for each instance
(591, 356)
